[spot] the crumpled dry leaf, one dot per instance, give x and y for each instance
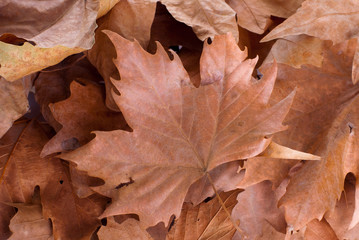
(50, 23)
(325, 130)
(206, 221)
(18, 61)
(13, 102)
(170, 120)
(29, 223)
(256, 205)
(297, 51)
(129, 229)
(22, 169)
(320, 93)
(324, 19)
(254, 15)
(318, 230)
(131, 19)
(207, 17)
(53, 85)
(84, 111)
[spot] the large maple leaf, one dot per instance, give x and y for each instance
(180, 132)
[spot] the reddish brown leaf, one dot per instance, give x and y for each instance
(188, 131)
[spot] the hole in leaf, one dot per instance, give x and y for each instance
(61, 181)
(104, 221)
(209, 41)
(351, 127)
(125, 184)
(208, 199)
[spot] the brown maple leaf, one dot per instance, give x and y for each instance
(180, 132)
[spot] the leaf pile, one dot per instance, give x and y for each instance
(196, 119)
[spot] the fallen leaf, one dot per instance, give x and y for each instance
(324, 19)
(317, 230)
(29, 223)
(207, 18)
(189, 131)
(129, 229)
(22, 169)
(13, 102)
(296, 51)
(254, 15)
(256, 205)
(84, 111)
(69, 23)
(19, 61)
(131, 19)
(206, 221)
(53, 85)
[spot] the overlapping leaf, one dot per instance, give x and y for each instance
(188, 131)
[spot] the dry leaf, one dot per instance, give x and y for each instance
(188, 131)
(22, 169)
(318, 230)
(84, 111)
(257, 205)
(131, 19)
(29, 223)
(254, 15)
(128, 230)
(50, 23)
(207, 17)
(206, 221)
(18, 61)
(324, 19)
(297, 51)
(13, 102)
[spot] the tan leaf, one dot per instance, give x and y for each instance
(207, 18)
(320, 92)
(254, 15)
(128, 230)
(29, 223)
(50, 23)
(84, 111)
(13, 102)
(257, 205)
(188, 131)
(355, 73)
(105, 7)
(318, 230)
(314, 189)
(324, 19)
(53, 85)
(22, 169)
(297, 51)
(131, 19)
(206, 221)
(19, 61)
(225, 178)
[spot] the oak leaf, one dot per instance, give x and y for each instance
(188, 131)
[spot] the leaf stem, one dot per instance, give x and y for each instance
(224, 207)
